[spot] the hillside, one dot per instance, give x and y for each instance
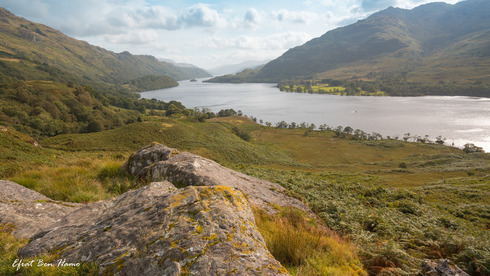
(397, 202)
(433, 42)
(31, 51)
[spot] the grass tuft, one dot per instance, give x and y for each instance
(306, 248)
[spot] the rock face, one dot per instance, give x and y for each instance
(443, 268)
(28, 210)
(162, 230)
(186, 169)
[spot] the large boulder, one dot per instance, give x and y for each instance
(146, 156)
(161, 230)
(186, 169)
(28, 210)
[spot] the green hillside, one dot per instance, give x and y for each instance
(397, 202)
(435, 42)
(31, 51)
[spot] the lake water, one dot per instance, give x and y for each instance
(459, 119)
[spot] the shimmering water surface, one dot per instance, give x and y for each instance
(459, 119)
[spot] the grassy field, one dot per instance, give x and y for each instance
(395, 202)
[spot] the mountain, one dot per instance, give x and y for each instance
(180, 64)
(34, 51)
(433, 42)
(235, 68)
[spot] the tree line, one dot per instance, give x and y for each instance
(390, 84)
(360, 135)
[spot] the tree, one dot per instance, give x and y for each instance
(172, 109)
(440, 140)
(282, 124)
(471, 148)
(348, 130)
(95, 125)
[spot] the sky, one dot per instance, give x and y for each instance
(205, 33)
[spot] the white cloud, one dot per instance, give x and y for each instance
(148, 17)
(201, 15)
(252, 18)
(293, 16)
(133, 37)
(280, 41)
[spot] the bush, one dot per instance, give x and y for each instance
(242, 134)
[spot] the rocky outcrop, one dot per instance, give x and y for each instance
(146, 156)
(28, 210)
(161, 230)
(186, 214)
(443, 268)
(186, 169)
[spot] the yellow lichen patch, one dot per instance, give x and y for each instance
(198, 229)
(117, 265)
(242, 247)
(232, 196)
(211, 237)
(170, 226)
(190, 195)
(278, 268)
(173, 245)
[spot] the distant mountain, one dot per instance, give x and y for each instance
(433, 42)
(34, 51)
(235, 68)
(181, 64)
